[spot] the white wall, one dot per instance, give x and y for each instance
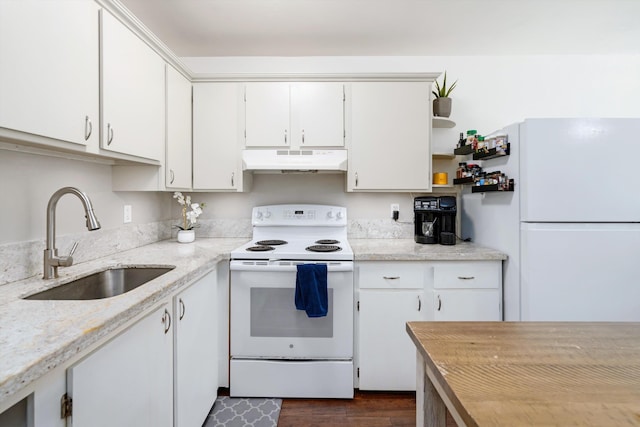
(28, 181)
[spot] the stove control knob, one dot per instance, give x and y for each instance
(330, 214)
(267, 214)
(339, 215)
(258, 214)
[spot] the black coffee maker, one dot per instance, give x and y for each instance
(435, 220)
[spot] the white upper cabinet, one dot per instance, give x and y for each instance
(317, 114)
(218, 125)
(296, 115)
(178, 161)
(133, 93)
(390, 127)
(49, 68)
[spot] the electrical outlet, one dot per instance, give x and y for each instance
(128, 214)
(395, 207)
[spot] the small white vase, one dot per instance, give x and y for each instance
(186, 236)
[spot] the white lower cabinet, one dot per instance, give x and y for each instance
(161, 371)
(468, 291)
(129, 380)
(390, 294)
(196, 351)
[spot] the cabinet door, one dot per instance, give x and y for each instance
(129, 380)
(133, 111)
(217, 126)
(267, 115)
(317, 114)
(387, 356)
(178, 162)
(196, 347)
(390, 128)
(467, 304)
(49, 69)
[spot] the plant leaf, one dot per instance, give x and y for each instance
(451, 88)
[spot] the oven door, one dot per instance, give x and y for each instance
(266, 324)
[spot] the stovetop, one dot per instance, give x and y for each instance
(297, 232)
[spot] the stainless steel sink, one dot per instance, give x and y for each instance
(103, 284)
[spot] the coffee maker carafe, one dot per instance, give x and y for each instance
(427, 219)
(435, 220)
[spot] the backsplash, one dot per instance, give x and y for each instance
(21, 260)
(24, 259)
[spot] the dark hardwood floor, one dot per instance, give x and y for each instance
(366, 409)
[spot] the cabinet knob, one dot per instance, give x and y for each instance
(439, 303)
(466, 277)
(303, 136)
(285, 136)
(173, 176)
(233, 175)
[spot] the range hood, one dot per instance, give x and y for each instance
(294, 160)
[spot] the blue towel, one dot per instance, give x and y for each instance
(311, 289)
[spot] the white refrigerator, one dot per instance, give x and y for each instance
(571, 227)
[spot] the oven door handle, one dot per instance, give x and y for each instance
(278, 265)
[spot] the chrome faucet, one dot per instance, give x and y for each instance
(51, 259)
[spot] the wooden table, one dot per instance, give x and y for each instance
(528, 373)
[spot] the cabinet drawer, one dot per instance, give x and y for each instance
(392, 275)
(468, 275)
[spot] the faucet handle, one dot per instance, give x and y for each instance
(66, 261)
(73, 248)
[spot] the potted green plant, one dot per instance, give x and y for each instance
(442, 102)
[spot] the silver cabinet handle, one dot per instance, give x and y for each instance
(166, 321)
(109, 134)
(233, 181)
(303, 136)
(173, 176)
(356, 179)
(285, 136)
(466, 277)
(391, 277)
(88, 128)
(439, 303)
(182, 308)
(419, 303)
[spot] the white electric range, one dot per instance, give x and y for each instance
(277, 350)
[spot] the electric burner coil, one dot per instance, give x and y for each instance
(323, 248)
(327, 241)
(275, 242)
(260, 248)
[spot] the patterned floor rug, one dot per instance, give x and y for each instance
(242, 412)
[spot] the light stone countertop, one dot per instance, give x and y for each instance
(38, 336)
(409, 250)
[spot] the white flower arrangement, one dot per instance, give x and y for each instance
(188, 216)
